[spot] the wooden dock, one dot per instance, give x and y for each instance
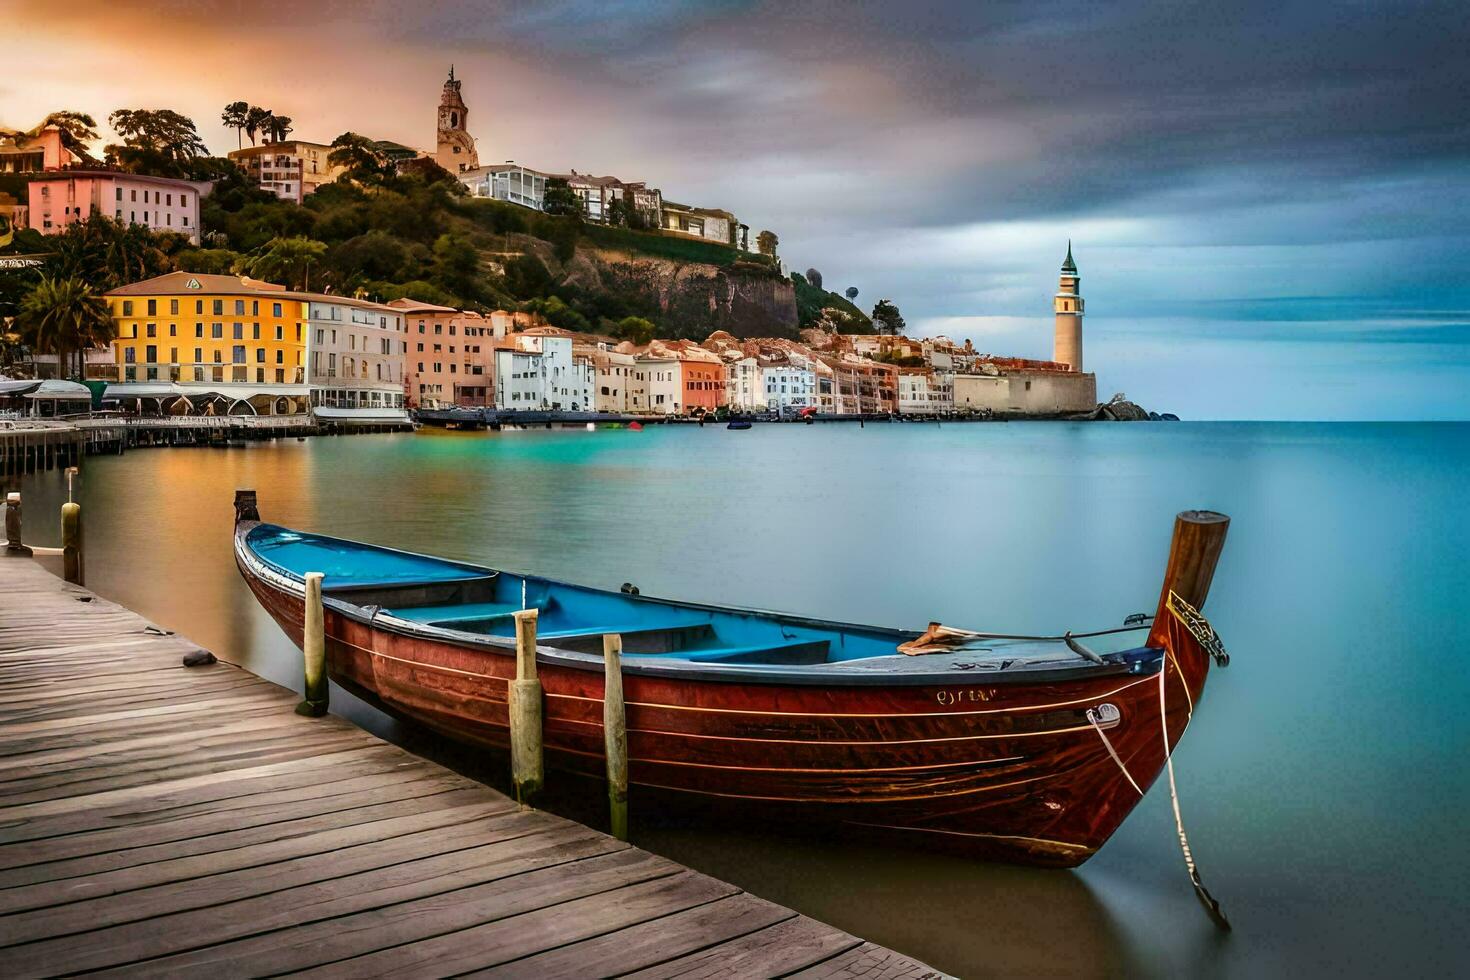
(157, 819)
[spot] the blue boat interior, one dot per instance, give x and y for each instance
(480, 601)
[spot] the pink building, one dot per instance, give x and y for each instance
(158, 202)
(21, 154)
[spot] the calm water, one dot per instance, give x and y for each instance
(1324, 780)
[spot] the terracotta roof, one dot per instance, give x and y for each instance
(416, 306)
(200, 283)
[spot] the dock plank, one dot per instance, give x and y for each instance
(166, 821)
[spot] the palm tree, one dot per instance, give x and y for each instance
(256, 120)
(63, 317)
(283, 259)
(234, 118)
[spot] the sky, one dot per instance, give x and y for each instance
(1267, 201)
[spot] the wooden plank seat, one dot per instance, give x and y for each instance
(453, 615)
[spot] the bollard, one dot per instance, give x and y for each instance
(71, 543)
(524, 708)
(615, 734)
(12, 526)
(314, 650)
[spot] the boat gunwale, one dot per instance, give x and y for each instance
(764, 674)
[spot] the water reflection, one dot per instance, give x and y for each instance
(1323, 780)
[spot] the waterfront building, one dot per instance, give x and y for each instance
(292, 170)
(705, 224)
(1055, 390)
(925, 391)
(456, 147)
(160, 203)
(449, 355)
(786, 387)
(860, 386)
(541, 373)
(743, 382)
(191, 344)
(613, 377)
(1068, 307)
(357, 354)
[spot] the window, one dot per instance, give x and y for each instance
(275, 309)
(119, 193)
(199, 330)
(281, 333)
(260, 355)
(238, 354)
(173, 329)
(199, 306)
(217, 330)
(152, 329)
(255, 331)
(239, 307)
(280, 356)
(239, 331)
(153, 307)
(130, 355)
(127, 307)
(219, 307)
(199, 355)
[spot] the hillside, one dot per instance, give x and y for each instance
(420, 234)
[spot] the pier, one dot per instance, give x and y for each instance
(164, 819)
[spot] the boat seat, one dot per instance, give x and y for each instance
(800, 652)
(449, 615)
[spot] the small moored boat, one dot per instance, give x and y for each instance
(738, 424)
(1031, 749)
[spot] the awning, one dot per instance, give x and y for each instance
(232, 391)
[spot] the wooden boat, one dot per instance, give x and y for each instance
(1026, 749)
(738, 424)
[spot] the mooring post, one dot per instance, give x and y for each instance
(12, 526)
(314, 650)
(615, 734)
(525, 713)
(71, 543)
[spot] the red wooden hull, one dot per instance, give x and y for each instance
(999, 770)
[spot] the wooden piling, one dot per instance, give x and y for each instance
(314, 650)
(71, 543)
(615, 734)
(12, 526)
(524, 705)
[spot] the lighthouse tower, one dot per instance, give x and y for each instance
(1067, 348)
(456, 150)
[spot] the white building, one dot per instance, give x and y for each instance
(656, 388)
(291, 169)
(613, 379)
(923, 392)
(159, 203)
(508, 182)
(743, 385)
(355, 352)
(707, 224)
(787, 387)
(541, 374)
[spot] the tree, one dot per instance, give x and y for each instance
(77, 130)
(256, 121)
(635, 329)
(63, 316)
(766, 243)
(360, 157)
(108, 254)
(851, 293)
(559, 198)
(158, 141)
(814, 277)
(887, 318)
(234, 118)
(287, 260)
(278, 128)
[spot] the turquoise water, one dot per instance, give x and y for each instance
(1323, 781)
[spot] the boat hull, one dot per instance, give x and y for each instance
(1009, 771)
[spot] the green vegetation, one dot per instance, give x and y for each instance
(63, 316)
(155, 141)
(886, 317)
(813, 300)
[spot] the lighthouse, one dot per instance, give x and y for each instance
(1067, 347)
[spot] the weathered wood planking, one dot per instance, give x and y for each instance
(161, 820)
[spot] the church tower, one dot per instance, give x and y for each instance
(456, 151)
(1067, 348)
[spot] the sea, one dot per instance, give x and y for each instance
(1323, 782)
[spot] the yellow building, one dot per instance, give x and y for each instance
(191, 340)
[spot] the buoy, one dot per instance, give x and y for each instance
(591, 427)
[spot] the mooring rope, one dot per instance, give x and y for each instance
(1107, 743)
(1206, 899)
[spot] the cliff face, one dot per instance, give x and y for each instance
(693, 299)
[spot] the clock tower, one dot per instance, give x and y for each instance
(456, 150)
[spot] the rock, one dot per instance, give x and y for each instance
(1120, 409)
(199, 658)
(1168, 417)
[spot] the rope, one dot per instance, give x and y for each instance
(1107, 743)
(1206, 899)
